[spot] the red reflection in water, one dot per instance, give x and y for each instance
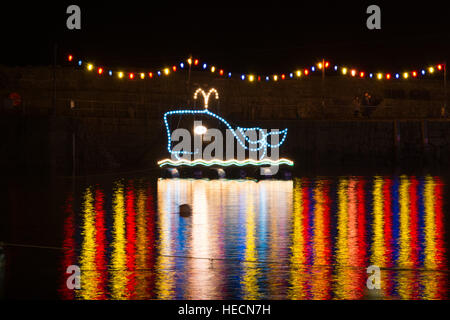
(151, 247)
(131, 242)
(361, 209)
(69, 246)
(414, 222)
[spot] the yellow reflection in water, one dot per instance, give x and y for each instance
(250, 280)
(434, 287)
(342, 257)
(298, 256)
(320, 280)
(89, 278)
(378, 254)
(405, 248)
(118, 257)
(430, 225)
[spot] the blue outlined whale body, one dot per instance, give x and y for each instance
(238, 132)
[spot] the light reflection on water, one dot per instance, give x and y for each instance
(301, 239)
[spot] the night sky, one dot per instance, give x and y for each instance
(240, 37)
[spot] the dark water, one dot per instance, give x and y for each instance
(309, 238)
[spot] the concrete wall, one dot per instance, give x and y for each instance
(117, 124)
(307, 98)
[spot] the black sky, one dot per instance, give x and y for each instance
(240, 36)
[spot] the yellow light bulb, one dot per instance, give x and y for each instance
(405, 75)
(189, 61)
(251, 78)
(213, 69)
(431, 69)
(299, 73)
(166, 71)
(320, 65)
(120, 74)
(90, 67)
(379, 76)
(275, 77)
(344, 71)
(142, 75)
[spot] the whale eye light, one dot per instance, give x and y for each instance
(200, 130)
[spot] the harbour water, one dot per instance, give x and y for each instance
(305, 238)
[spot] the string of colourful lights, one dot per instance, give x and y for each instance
(195, 64)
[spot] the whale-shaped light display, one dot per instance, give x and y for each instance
(239, 133)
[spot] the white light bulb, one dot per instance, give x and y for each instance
(200, 130)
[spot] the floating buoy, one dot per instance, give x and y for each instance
(171, 173)
(185, 210)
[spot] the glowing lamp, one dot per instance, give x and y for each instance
(131, 76)
(299, 73)
(204, 66)
(327, 64)
(242, 77)
(251, 78)
(110, 72)
(259, 78)
(335, 68)
(70, 57)
(430, 69)
(166, 71)
(100, 70)
(182, 65)
(423, 72)
(353, 72)
(229, 74)
(405, 75)
(195, 62)
(221, 72)
(142, 75)
(90, 67)
(319, 65)
(306, 72)
(344, 71)
(313, 69)
(291, 75)
(439, 67)
(414, 74)
(150, 74)
(283, 76)
(120, 74)
(174, 68)
(361, 74)
(80, 62)
(213, 69)
(267, 78)
(388, 76)
(200, 130)
(158, 73)
(397, 76)
(275, 78)
(380, 76)
(189, 61)
(370, 75)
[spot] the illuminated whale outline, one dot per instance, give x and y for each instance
(263, 144)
